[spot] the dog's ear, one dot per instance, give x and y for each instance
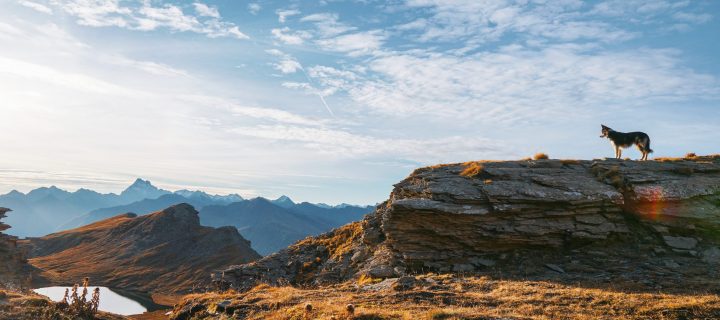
(604, 126)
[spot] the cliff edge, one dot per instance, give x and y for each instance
(652, 224)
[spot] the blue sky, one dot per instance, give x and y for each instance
(334, 101)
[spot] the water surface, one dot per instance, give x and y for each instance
(110, 301)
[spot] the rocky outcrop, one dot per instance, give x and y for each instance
(654, 222)
(166, 251)
(14, 269)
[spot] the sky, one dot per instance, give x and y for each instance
(334, 101)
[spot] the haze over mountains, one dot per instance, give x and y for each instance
(269, 224)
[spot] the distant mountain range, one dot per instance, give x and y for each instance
(269, 224)
(273, 225)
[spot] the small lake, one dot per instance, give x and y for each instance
(110, 301)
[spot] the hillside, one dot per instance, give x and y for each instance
(167, 251)
(597, 237)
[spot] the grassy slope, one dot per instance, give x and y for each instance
(457, 297)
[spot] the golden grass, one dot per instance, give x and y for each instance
(540, 156)
(472, 169)
(339, 242)
(452, 297)
(569, 161)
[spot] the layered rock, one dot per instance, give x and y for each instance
(14, 269)
(649, 222)
(166, 251)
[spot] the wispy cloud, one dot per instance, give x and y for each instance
(147, 17)
(285, 13)
(327, 24)
(287, 36)
(354, 44)
(36, 6)
(254, 7)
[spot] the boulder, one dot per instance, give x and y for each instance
(601, 216)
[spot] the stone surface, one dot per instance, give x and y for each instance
(610, 218)
(680, 242)
(14, 270)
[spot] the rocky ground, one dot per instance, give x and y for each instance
(654, 223)
(449, 296)
(624, 229)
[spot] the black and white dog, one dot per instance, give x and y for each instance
(621, 140)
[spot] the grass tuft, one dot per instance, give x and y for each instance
(541, 156)
(472, 169)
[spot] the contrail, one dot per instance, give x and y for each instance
(318, 94)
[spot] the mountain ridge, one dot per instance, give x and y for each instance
(166, 251)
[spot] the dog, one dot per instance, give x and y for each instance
(621, 140)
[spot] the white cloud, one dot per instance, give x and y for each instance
(355, 43)
(696, 18)
(345, 144)
(485, 21)
(286, 35)
(327, 24)
(254, 8)
(284, 14)
(36, 6)
(518, 84)
(146, 17)
(53, 76)
(287, 63)
(147, 66)
(206, 11)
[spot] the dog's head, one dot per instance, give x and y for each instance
(605, 130)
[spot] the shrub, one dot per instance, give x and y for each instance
(540, 156)
(690, 155)
(472, 169)
(77, 304)
(367, 279)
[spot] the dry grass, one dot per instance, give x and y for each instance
(339, 242)
(569, 161)
(540, 156)
(690, 155)
(668, 159)
(472, 169)
(450, 297)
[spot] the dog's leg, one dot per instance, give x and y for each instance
(619, 152)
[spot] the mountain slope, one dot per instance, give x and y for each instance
(167, 251)
(270, 227)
